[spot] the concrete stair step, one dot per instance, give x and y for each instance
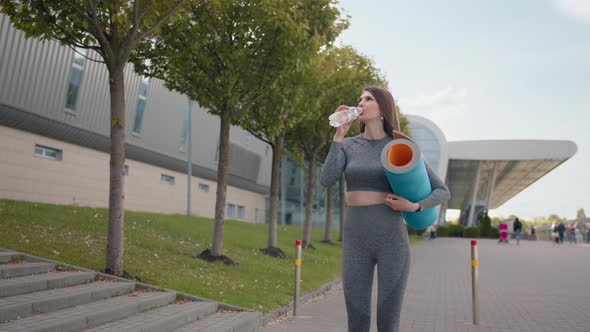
(90, 315)
(243, 321)
(24, 269)
(55, 299)
(40, 282)
(6, 256)
(164, 319)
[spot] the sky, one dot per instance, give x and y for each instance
(491, 69)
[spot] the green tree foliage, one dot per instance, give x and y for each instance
(112, 29)
(485, 225)
(286, 103)
(472, 232)
(227, 54)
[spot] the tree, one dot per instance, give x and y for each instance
(329, 205)
(344, 72)
(580, 214)
(286, 103)
(485, 225)
(112, 29)
(342, 207)
(227, 54)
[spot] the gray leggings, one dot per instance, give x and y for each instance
(374, 234)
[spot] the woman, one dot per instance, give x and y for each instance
(554, 235)
(374, 232)
(503, 232)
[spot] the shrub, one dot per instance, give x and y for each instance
(471, 232)
(455, 230)
(494, 233)
(485, 226)
(442, 231)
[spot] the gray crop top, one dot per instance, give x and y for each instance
(360, 160)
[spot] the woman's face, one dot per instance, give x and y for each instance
(369, 106)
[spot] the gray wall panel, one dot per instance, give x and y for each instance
(24, 73)
(24, 63)
(205, 135)
(131, 87)
(162, 120)
(247, 141)
(34, 78)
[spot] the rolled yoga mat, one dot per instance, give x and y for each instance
(408, 178)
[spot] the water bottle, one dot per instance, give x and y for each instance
(339, 118)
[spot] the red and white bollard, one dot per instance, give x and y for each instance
(297, 274)
(474, 287)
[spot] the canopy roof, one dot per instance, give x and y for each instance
(517, 163)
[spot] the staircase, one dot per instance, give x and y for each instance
(38, 295)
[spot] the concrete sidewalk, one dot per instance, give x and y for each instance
(537, 286)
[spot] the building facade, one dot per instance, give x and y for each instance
(54, 130)
(54, 146)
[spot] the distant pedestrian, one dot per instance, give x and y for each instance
(561, 232)
(578, 234)
(503, 232)
(571, 233)
(554, 233)
(517, 227)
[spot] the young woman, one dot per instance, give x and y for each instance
(374, 232)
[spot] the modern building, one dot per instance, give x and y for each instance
(483, 175)
(54, 143)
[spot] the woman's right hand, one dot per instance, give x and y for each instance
(342, 130)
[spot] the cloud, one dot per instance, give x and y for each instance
(449, 96)
(578, 9)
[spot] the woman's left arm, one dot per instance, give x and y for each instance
(439, 194)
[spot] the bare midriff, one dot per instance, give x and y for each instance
(361, 198)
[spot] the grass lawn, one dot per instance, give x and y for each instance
(159, 249)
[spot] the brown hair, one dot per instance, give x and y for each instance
(389, 110)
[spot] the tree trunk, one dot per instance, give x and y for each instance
(276, 171)
(328, 232)
(342, 191)
(309, 201)
(114, 259)
(222, 169)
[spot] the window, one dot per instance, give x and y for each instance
(126, 170)
(255, 215)
(428, 143)
(140, 107)
(231, 210)
(217, 153)
(167, 179)
(80, 56)
(184, 133)
(75, 79)
(204, 187)
(47, 152)
(241, 212)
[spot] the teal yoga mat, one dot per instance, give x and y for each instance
(406, 172)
